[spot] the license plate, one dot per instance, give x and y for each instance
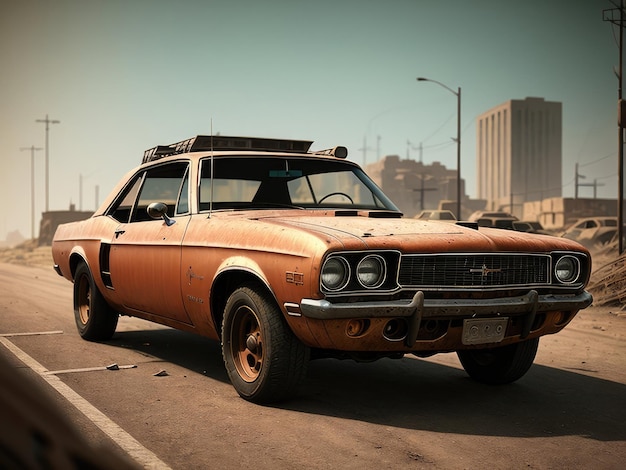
(484, 330)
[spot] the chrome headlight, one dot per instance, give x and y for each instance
(371, 271)
(567, 269)
(335, 273)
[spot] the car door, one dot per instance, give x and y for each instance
(144, 258)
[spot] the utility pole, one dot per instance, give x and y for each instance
(577, 185)
(47, 121)
(595, 188)
(422, 190)
(32, 149)
(80, 192)
(620, 164)
(364, 149)
(410, 146)
(608, 15)
(458, 140)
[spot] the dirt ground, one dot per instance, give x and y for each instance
(27, 254)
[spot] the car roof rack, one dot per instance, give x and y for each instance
(205, 143)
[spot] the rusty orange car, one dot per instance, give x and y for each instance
(286, 254)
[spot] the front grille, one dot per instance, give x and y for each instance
(472, 270)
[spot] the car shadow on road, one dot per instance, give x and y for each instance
(422, 395)
(192, 352)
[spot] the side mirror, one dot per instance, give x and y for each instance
(158, 210)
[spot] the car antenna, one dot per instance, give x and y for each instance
(211, 194)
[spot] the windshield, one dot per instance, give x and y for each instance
(269, 182)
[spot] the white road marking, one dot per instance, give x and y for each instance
(9, 335)
(127, 442)
(90, 369)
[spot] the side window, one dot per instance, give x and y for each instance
(183, 198)
(122, 208)
(165, 183)
(161, 184)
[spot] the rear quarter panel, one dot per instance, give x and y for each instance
(82, 240)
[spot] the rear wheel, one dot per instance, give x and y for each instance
(264, 360)
(95, 320)
(500, 365)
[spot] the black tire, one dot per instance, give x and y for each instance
(264, 360)
(95, 320)
(497, 366)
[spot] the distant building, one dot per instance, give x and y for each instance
(52, 219)
(559, 212)
(414, 186)
(519, 153)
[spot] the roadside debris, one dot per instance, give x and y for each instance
(608, 280)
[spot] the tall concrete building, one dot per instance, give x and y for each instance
(519, 153)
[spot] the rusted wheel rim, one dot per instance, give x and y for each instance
(84, 299)
(247, 344)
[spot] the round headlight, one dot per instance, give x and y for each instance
(566, 269)
(335, 273)
(371, 271)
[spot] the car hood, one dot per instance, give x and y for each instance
(414, 235)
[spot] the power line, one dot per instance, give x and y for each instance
(581, 165)
(613, 175)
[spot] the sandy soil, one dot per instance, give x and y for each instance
(27, 254)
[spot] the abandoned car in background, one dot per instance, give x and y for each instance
(593, 231)
(284, 255)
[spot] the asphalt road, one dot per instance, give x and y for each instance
(177, 409)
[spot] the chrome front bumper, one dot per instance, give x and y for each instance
(531, 302)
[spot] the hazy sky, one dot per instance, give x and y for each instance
(123, 76)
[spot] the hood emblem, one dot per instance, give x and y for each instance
(485, 271)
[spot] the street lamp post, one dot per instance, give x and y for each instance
(458, 140)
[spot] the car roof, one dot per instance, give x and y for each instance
(227, 145)
(194, 149)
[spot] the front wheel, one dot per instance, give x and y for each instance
(502, 365)
(95, 320)
(264, 360)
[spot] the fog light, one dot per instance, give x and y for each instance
(357, 327)
(395, 329)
